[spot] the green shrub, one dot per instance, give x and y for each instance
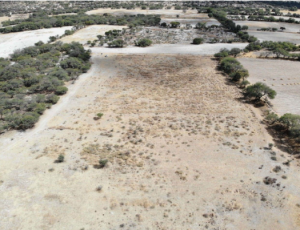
(99, 115)
(198, 41)
(144, 42)
(102, 163)
(61, 90)
(60, 158)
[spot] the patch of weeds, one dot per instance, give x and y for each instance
(102, 163)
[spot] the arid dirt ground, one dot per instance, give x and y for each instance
(282, 76)
(183, 151)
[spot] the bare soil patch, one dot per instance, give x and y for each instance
(276, 36)
(254, 25)
(281, 75)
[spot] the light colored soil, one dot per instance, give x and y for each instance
(13, 17)
(254, 25)
(164, 13)
(203, 49)
(282, 76)
(276, 36)
(184, 154)
(90, 33)
(13, 41)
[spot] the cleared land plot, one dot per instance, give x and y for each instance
(204, 49)
(192, 22)
(90, 33)
(283, 76)
(178, 36)
(164, 13)
(182, 152)
(13, 17)
(276, 36)
(12, 41)
(254, 25)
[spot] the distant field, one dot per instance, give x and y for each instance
(254, 25)
(12, 41)
(90, 33)
(276, 36)
(164, 13)
(281, 75)
(13, 17)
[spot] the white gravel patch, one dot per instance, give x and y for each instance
(204, 49)
(13, 41)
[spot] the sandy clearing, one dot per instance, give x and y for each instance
(201, 154)
(164, 13)
(254, 25)
(12, 41)
(90, 33)
(204, 49)
(281, 75)
(276, 36)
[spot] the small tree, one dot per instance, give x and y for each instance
(258, 90)
(198, 41)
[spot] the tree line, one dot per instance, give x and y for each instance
(32, 79)
(41, 20)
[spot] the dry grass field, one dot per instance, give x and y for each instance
(183, 153)
(13, 17)
(281, 75)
